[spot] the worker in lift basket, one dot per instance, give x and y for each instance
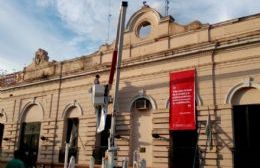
(96, 81)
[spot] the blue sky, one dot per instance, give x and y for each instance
(71, 28)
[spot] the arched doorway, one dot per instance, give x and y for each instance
(30, 133)
(71, 116)
(141, 129)
(3, 120)
(246, 125)
(101, 143)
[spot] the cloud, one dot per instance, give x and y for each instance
(90, 18)
(81, 15)
(211, 11)
(21, 35)
(8, 65)
(68, 29)
(45, 3)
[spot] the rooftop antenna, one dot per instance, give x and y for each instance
(109, 21)
(108, 27)
(166, 7)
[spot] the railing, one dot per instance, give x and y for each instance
(73, 151)
(98, 153)
(11, 79)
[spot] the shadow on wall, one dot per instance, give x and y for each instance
(126, 94)
(223, 141)
(139, 129)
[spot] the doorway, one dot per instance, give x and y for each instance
(72, 137)
(1, 134)
(246, 126)
(29, 142)
(183, 151)
(102, 142)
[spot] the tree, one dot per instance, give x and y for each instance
(3, 72)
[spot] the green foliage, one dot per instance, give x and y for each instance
(3, 72)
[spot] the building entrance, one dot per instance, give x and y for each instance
(1, 133)
(183, 153)
(246, 139)
(29, 142)
(102, 142)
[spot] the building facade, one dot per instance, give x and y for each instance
(41, 103)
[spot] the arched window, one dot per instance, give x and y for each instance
(144, 29)
(142, 104)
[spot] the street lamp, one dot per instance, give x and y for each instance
(159, 137)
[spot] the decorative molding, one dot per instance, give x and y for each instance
(34, 100)
(74, 104)
(27, 106)
(158, 56)
(141, 92)
(133, 19)
(247, 83)
(41, 56)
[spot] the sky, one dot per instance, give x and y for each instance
(72, 28)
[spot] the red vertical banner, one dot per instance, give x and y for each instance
(182, 100)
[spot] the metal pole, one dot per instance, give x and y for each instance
(119, 58)
(66, 155)
(115, 103)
